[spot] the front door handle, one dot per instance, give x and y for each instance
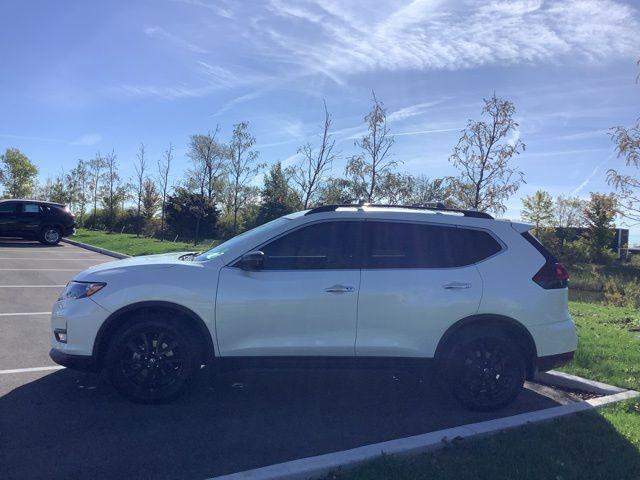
(339, 289)
(456, 286)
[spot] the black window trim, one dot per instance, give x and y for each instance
(365, 247)
(233, 263)
(15, 204)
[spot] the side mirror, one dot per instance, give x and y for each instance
(252, 261)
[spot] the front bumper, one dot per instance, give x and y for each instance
(85, 363)
(69, 230)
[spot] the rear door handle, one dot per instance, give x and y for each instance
(456, 286)
(339, 289)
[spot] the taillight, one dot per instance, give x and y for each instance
(552, 275)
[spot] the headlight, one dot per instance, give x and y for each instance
(80, 289)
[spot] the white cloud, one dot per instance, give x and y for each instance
(87, 140)
(413, 110)
(341, 38)
(180, 42)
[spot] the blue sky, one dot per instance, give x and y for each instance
(80, 77)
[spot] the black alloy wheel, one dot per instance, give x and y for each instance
(152, 361)
(486, 372)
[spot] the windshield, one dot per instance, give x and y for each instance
(224, 247)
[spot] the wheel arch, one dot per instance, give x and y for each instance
(510, 326)
(121, 316)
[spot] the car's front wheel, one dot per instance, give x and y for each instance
(50, 235)
(484, 370)
(152, 361)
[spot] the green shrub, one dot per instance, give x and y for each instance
(622, 294)
(576, 251)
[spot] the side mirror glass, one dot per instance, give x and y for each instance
(252, 261)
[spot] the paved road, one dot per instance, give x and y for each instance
(60, 424)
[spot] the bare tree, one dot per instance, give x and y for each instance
(309, 173)
(374, 162)
(164, 168)
(96, 167)
(482, 156)
(243, 167)
(141, 168)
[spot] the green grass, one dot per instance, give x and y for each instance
(131, 245)
(603, 444)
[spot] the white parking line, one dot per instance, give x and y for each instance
(35, 369)
(50, 259)
(42, 250)
(40, 269)
(32, 286)
(22, 313)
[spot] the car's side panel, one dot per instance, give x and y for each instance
(405, 312)
(286, 313)
(510, 291)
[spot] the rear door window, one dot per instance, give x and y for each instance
(415, 245)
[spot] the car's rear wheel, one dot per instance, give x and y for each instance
(152, 361)
(50, 235)
(484, 370)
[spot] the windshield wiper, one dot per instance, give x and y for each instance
(188, 257)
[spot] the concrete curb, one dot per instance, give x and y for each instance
(574, 382)
(104, 251)
(320, 465)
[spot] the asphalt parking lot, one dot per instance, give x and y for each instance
(64, 424)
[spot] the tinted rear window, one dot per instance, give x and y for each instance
(411, 245)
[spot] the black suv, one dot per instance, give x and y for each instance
(47, 222)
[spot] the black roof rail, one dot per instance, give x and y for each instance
(436, 207)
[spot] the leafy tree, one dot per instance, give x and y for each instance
(482, 156)
(406, 189)
(599, 213)
(17, 174)
(207, 157)
(78, 181)
(183, 208)
(367, 169)
(277, 197)
(242, 169)
(96, 175)
(309, 174)
(335, 191)
(150, 200)
(113, 192)
(568, 214)
(538, 209)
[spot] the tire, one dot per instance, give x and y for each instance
(50, 235)
(152, 360)
(484, 370)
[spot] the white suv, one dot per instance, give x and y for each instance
(345, 284)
